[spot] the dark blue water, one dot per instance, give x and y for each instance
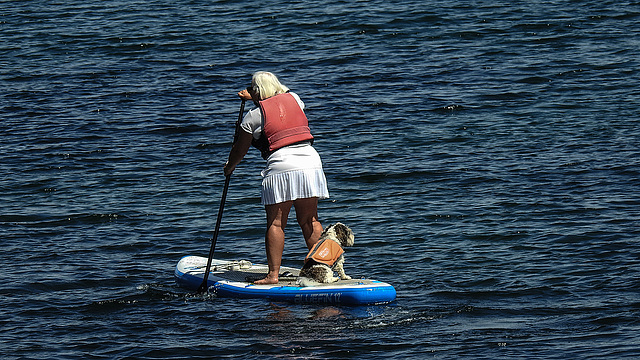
(486, 153)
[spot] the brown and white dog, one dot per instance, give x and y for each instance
(326, 256)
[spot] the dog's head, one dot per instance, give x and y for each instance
(340, 233)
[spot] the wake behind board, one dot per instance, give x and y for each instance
(235, 279)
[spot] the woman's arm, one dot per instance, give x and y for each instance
(238, 151)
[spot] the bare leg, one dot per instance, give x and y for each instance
(307, 216)
(277, 215)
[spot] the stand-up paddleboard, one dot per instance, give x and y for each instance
(235, 279)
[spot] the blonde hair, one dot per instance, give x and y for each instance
(266, 85)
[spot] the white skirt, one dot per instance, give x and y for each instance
(293, 172)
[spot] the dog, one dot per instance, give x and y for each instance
(326, 256)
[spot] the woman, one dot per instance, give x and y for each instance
(293, 176)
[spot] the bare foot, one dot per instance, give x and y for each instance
(267, 280)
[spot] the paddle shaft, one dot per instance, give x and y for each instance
(203, 286)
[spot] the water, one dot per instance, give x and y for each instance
(484, 152)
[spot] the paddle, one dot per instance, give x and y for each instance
(203, 286)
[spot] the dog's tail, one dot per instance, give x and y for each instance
(306, 282)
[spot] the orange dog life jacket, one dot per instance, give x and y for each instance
(326, 251)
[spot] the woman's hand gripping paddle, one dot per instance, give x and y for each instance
(203, 287)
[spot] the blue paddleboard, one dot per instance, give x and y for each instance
(235, 279)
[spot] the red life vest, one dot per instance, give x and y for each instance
(283, 123)
(326, 251)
